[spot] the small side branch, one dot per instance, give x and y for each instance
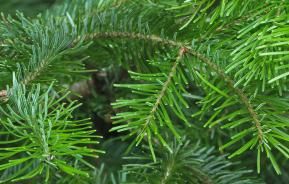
(165, 87)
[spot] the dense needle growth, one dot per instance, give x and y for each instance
(148, 91)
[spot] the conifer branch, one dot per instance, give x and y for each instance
(164, 89)
(172, 43)
(132, 36)
(41, 128)
(31, 76)
(203, 165)
(235, 61)
(243, 97)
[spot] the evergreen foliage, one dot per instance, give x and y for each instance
(181, 78)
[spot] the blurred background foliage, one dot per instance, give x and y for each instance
(29, 7)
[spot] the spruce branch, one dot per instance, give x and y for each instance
(149, 111)
(189, 50)
(42, 136)
(185, 164)
(261, 138)
(232, 59)
(164, 89)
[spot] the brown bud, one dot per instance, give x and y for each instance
(3, 94)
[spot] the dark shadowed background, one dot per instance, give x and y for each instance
(29, 7)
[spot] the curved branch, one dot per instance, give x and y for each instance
(172, 43)
(237, 90)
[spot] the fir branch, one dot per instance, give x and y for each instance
(164, 89)
(255, 50)
(148, 111)
(185, 164)
(225, 77)
(42, 137)
(29, 77)
(243, 97)
(207, 61)
(132, 36)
